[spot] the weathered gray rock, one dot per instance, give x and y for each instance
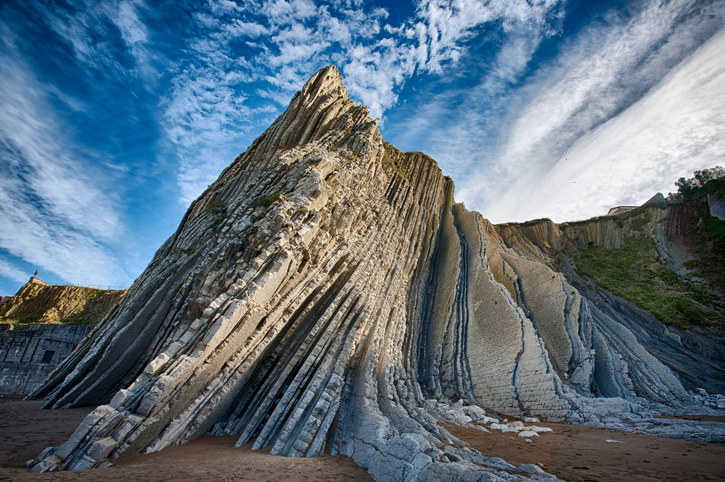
(326, 293)
(716, 204)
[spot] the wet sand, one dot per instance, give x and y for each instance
(572, 452)
(25, 431)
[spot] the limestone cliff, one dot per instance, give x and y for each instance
(326, 293)
(39, 302)
(676, 314)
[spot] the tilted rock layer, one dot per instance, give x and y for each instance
(325, 293)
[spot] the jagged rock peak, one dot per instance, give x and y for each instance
(322, 109)
(326, 81)
(319, 116)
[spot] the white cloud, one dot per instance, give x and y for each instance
(240, 28)
(284, 12)
(42, 240)
(677, 128)
(205, 117)
(589, 88)
(77, 25)
(88, 28)
(596, 76)
(35, 149)
(56, 214)
(11, 272)
(133, 31)
(448, 23)
(225, 6)
(460, 125)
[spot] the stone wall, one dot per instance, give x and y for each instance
(29, 353)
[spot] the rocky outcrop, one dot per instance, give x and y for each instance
(326, 293)
(39, 302)
(695, 355)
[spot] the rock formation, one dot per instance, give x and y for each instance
(326, 293)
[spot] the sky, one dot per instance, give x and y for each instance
(115, 115)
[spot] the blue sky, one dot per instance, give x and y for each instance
(115, 115)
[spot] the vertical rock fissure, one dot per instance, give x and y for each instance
(462, 372)
(517, 359)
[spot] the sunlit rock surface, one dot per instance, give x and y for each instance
(326, 293)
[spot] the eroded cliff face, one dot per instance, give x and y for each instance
(326, 293)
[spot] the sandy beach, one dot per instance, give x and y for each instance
(571, 452)
(25, 430)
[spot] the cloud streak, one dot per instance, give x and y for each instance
(55, 215)
(675, 129)
(600, 74)
(11, 272)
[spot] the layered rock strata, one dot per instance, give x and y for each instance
(694, 355)
(326, 293)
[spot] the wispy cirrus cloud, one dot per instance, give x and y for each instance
(92, 29)
(676, 128)
(10, 271)
(461, 124)
(593, 79)
(55, 214)
(445, 24)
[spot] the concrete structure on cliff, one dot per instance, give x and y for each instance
(33, 337)
(326, 293)
(29, 353)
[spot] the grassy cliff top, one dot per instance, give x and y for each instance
(39, 302)
(684, 290)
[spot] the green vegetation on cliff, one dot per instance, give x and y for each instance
(702, 182)
(634, 272)
(637, 273)
(393, 159)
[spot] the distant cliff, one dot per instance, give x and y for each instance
(652, 265)
(41, 325)
(39, 302)
(667, 258)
